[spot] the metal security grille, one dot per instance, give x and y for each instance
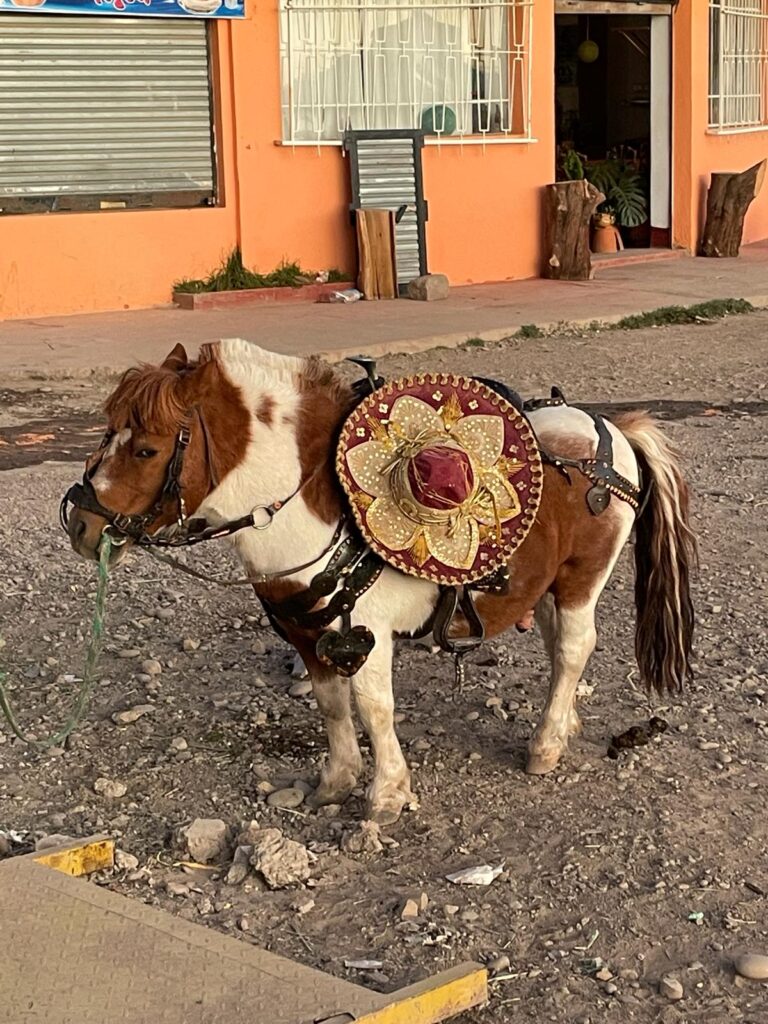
(104, 108)
(452, 68)
(386, 175)
(738, 69)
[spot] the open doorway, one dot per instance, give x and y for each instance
(612, 102)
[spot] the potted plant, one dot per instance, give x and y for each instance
(625, 201)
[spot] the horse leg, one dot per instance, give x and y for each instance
(574, 642)
(339, 775)
(546, 620)
(390, 790)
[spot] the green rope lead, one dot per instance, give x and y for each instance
(83, 699)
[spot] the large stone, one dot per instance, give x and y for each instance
(753, 966)
(429, 288)
(206, 839)
(280, 861)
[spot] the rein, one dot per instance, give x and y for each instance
(83, 698)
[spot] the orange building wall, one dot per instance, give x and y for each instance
(484, 221)
(697, 152)
(283, 202)
(291, 202)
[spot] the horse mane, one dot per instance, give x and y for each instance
(147, 398)
(153, 398)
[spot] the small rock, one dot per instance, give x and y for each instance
(469, 915)
(286, 798)
(365, 839)
(206, 839)
(125, 861)
(410, 910)
(110, 788)
(179, 743)
(301, 688)
(299, 670)
(189, 644)
(304, 906)
(151, 667)
(604, 974)
(610, 989)
(472, 716)
(423, 902)
(450, 909)
(52, 841)
(238, 870)
(671, 988)
(364, 965)
(498, 964)
(280, 861)
(753, 966)
(429, 287)
(243, 924)
(177, 889)
(129, 652)
(132, 714)
(164, 614)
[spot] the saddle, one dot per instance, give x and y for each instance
(444, 478)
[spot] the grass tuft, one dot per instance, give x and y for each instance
(232, 275)
(529, 331)
(664, 316)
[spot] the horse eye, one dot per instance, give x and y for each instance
(145, 453)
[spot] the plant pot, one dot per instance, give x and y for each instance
(605, 234)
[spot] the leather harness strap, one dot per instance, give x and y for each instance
(599, 469)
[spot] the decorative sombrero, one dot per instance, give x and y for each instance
(444, 476)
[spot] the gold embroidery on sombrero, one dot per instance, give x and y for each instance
(445, 525)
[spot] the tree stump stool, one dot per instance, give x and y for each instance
(568, 209)
(728, 200)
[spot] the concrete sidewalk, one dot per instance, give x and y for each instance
(109, 342)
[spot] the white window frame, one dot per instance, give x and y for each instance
(738, 66)
(358, 64)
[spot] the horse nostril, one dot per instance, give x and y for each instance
(80, 530)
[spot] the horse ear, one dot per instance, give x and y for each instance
(177, 359)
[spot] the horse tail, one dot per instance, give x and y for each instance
(665, 554)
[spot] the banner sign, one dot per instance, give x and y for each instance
(153, 8)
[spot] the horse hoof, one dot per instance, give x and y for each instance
(542, 764)
(323, 796)
(384, 815)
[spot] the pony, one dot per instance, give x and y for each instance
(261, 431)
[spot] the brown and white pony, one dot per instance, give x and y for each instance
(264, 425)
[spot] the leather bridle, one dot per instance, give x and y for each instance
(184, 532)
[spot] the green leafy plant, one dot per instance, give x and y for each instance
(622, 186)
(573, 166)
(233, 275)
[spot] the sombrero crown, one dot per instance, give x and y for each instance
(443, 474)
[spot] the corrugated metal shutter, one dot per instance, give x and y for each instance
(387, 176)
(99, 106)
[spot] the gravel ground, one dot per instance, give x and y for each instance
(615, 873)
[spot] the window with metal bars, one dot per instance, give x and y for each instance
(452, 68)
(738, 64)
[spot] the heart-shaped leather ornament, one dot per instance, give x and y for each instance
(347, 652)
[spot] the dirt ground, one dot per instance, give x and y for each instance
(650, 865)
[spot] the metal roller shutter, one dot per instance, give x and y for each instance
(386, 175)
(103, 107)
